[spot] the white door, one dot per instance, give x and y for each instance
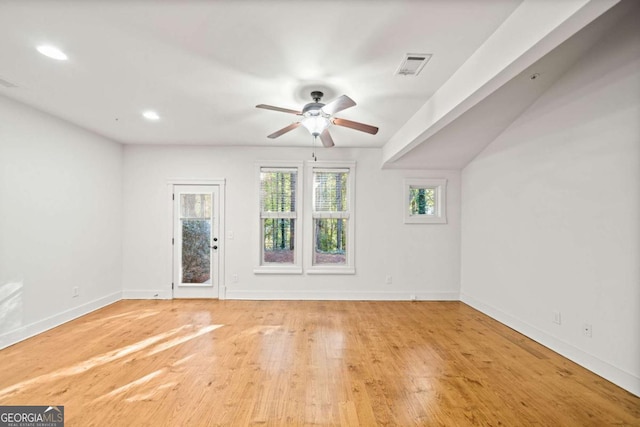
(196, 241)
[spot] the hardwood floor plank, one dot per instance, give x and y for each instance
(303, 363)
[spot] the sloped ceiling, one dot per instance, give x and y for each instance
(203, 66)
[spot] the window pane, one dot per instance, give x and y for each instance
(422, 201)
(196, 253)
(277, 191)
(330, 191)
(330, 241)
(279, 237)
(195, 205)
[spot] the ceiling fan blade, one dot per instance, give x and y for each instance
(338, 104)
(326, 139)
(355, 125)
(284, 130)
(283, 110)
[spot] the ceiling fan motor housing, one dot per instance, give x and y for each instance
(313, 108)
(316, 95)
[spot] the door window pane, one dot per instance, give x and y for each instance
(195, 212)
(195, 206)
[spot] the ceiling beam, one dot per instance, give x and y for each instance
(533, 30)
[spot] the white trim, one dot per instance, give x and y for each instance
(344, 168)
(147, 294)
(331, 269)
(616, 375)
(291, 168)
(188, 181)
(278, 215)
(40, 326)
(276, 268)
(331, 215)
(340, 296)
(440, 187)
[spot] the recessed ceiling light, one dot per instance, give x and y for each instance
(151, 115)
(52, 52)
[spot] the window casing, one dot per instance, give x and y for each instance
(425, 201)
(313, 228)
(279, 225)
(330, 225)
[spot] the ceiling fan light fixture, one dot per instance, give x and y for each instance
(315, 124)
(317, 117)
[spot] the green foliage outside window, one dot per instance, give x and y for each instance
(422, 201)
(330, 197)
(278, 195)
(196, 253)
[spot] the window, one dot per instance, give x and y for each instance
(332, 228)
(328, 225)
(279, 209)
(425, 201)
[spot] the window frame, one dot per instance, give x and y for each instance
(280, 268)
(349, 214)
(440, 197)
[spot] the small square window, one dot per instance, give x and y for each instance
(425, 201)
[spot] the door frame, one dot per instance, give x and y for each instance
(221, 183)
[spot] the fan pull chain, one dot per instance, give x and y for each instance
(313, 151)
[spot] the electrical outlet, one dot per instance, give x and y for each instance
(388, 280)
(556, 317)
(412, 297)
(586, 330)
(234, 278)
(76, 292)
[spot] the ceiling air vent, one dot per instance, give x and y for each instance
(6, 83)
(413, 63)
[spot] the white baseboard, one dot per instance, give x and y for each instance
(146, 294)
(607, 371)
(35, 328)
(346, 296)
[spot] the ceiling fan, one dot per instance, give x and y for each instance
(317, 117)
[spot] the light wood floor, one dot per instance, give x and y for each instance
(240, 363)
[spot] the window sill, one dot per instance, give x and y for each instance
(277, 269)
(426, 219)
(331, 270)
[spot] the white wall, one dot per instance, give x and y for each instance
(423, 260)
(60, 221)
(551, 213)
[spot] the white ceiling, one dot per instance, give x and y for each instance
(204, 65)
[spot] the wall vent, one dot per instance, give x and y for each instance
(6, 83)
(412, 64)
